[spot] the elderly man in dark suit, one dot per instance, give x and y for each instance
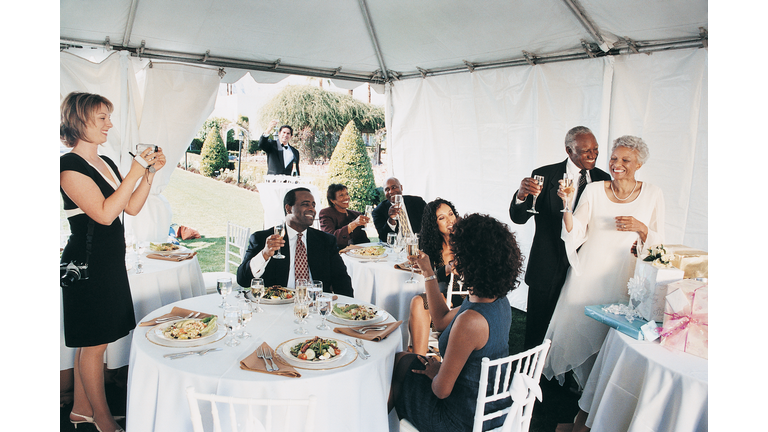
(382, 214)
(547, 262)
(310, 254)
(282, 158)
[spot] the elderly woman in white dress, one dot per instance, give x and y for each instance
(599, 236)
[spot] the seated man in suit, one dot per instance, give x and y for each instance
(382, 214)
(310, 254)
(282, 158)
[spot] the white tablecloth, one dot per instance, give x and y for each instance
(355, 395)
(272, 195)
(160, 283)
(381, 284)
(640, 386)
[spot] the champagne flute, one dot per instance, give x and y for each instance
(540, 181)
(224, 287)
(232, 322)
(324, 306)
(257, 289)
(369, 212)
(300, 311)
(397, 201)
(279, 230)
(246, 313)
(412, 249)
(567, 189)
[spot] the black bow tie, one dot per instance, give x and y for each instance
(285, 146)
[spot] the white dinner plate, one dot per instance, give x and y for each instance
(160, 328)
(381, 315)
(155, 335)
(352, 253)
(347, 356)
(270, 301)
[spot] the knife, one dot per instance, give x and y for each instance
(184, 354)
(361, 355)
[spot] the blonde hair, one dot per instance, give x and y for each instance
(77, 110)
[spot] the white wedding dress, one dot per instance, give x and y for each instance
(599, 273)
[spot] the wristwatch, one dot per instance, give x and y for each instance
(429, 278)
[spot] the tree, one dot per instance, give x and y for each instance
(351, 166)
(214, 156)
(318, 117)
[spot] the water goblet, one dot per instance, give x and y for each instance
(224, 287)
(314, 290)
(540, 181)
(257, 289)
(324, 306)
(300, 311)
(231, 320)
(392, 240)
(141, 250)
(246, 313)
(279, 230)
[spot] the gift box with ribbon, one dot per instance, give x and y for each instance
(686, 317)
(694, 262)
(648, 287)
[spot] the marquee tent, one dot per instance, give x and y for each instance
(478, 94)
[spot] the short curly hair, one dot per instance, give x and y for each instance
(77, 111)
(430, 238)
(330, 195)
(633, 143)
(487, 256)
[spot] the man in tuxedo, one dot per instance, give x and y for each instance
(309, 253)
(382, 214)
(282, 158)
(547, 262)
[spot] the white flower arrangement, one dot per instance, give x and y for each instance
(658, 256)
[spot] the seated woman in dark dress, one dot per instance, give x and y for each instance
(348, 226)
(441, 396)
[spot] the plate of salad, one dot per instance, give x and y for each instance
(370, 252)
(315, 350)
(356, 314)
(275, 294)
(188, 330)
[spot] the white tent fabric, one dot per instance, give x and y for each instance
(163, 105)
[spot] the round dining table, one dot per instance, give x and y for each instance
(639, 385)
(161, 282)
(379, 282)
(351, 393)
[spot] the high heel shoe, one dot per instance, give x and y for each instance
(86, 419)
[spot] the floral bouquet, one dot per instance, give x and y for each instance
(658, 256)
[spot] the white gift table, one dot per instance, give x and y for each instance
(350, 397)
(160, 283)
(641, 386)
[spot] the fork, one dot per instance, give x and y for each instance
(367, 329)
(359, 343)
(268, 356)
(260, 354)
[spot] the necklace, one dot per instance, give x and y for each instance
(630, 194)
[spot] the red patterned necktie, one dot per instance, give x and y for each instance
(302, 269)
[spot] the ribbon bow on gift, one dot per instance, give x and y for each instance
(685, 318)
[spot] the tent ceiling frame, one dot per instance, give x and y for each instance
(624, 46)
(374, 39)
(588, 24)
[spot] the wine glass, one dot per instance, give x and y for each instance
(324, 306)
(369, 212)
(257, 289)
(141, 250)
(232, 318)
(412, 249)
(314, 290)
(392, 240)
(279, 230)
(567, 189)
(540, 181)
(224, 287)
(246, 313)
(301, 288)
(397, 201)
(300, 311)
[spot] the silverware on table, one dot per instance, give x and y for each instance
(203, 352)
(268, 356)
(362, 355)
(260, 354)
(364, 330)
(359, 343)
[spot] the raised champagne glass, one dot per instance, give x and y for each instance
(539, 181)
(567, 190)
(412, 250)
(279, 230)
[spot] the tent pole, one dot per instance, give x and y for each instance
(372, 33)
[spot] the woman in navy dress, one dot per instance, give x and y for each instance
(441, 396)
(97, 309)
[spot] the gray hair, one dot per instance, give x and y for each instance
(570, 137)
(635, 143)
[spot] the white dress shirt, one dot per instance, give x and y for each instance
(259, 264)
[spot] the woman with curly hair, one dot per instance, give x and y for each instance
(436, 224)
(440, 396)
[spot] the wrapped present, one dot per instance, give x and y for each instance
(686, 317)
(694, 262)
(624, 319)
(648, 287)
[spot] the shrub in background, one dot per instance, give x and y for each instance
(214, 156)
(351, 166)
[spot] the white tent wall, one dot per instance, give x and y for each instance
(164, 105)
(471, 138)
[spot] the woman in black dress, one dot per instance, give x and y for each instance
(97, 309)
